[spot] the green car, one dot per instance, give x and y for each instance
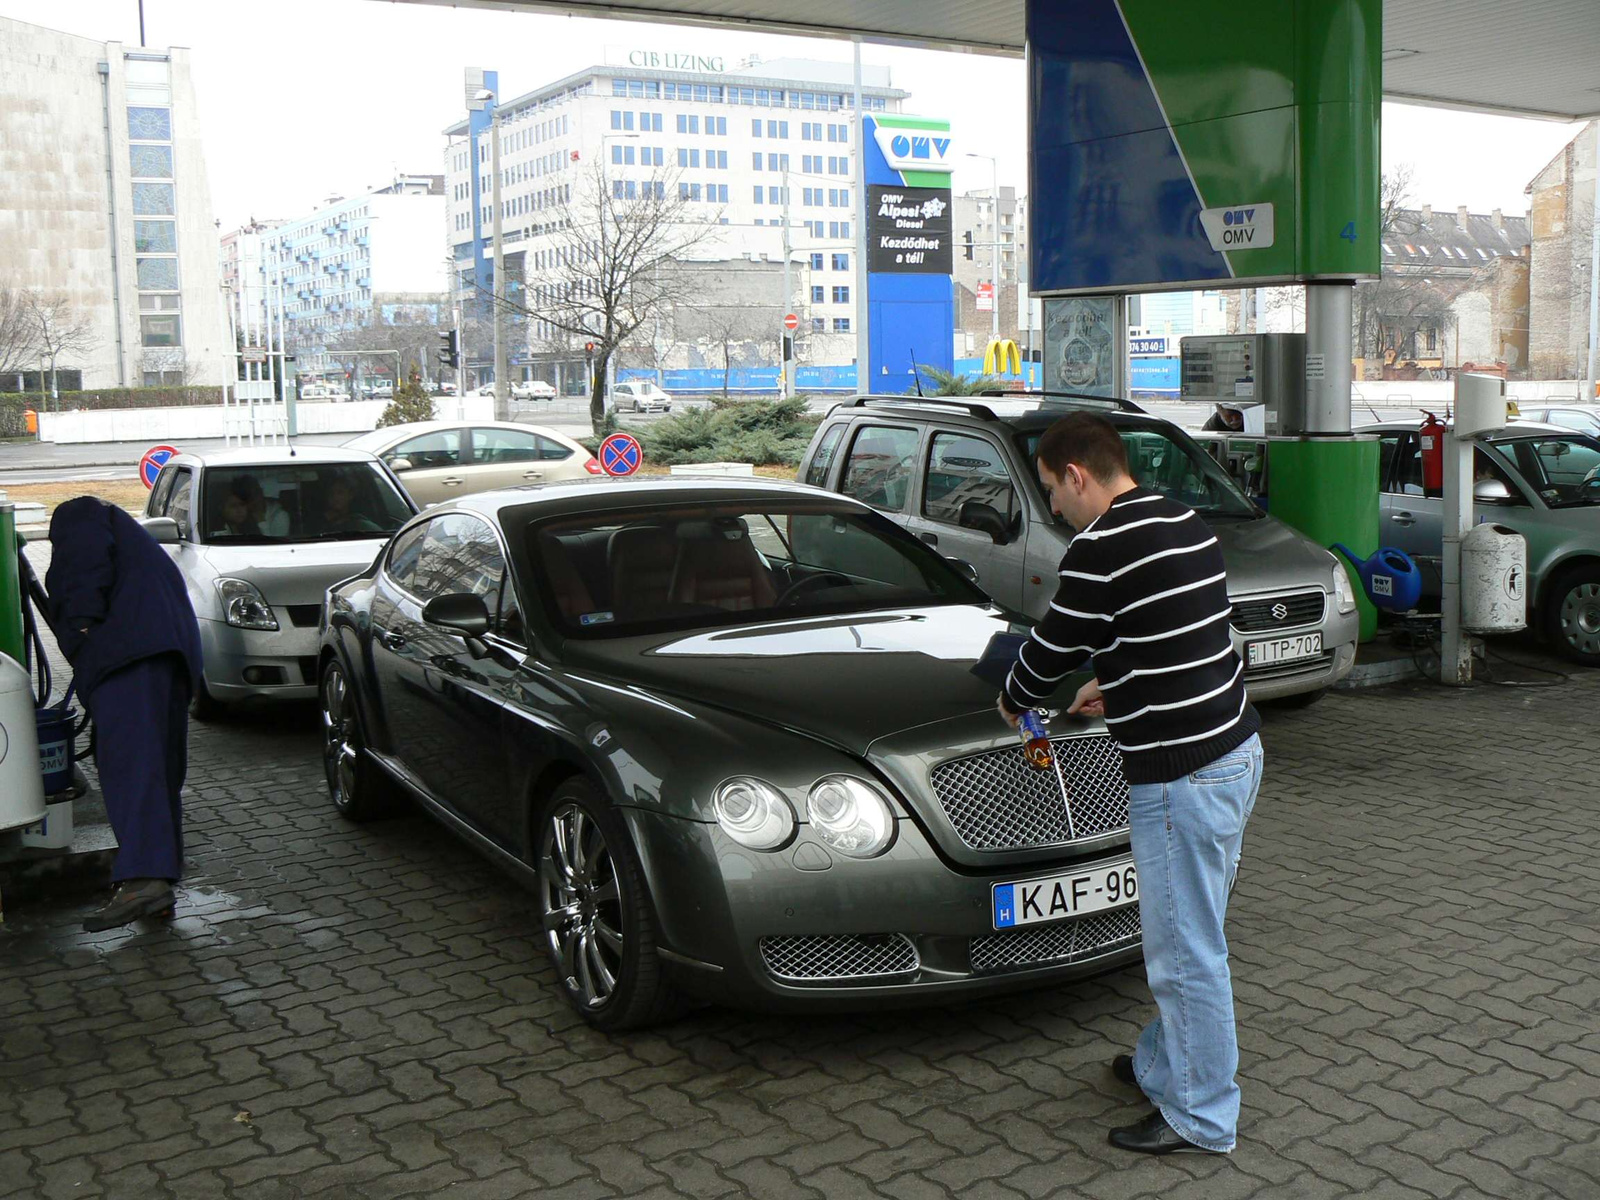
(738, 738)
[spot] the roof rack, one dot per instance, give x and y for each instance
(1116, 402)
(981, 411)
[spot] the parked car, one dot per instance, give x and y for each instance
(532, 389)
(960, 476)
(440, 460)
(259, 536)
(640, 395)
(1542, 481)
(731, 735)
(379, 389)
(1580, 418)
(323, 392)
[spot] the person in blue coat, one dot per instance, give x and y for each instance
(122, 617)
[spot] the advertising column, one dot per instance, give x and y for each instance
(910, 296)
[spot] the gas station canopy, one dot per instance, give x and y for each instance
(1530, 57)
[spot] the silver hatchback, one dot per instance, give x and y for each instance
(960, 475)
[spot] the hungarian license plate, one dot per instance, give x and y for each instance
(1283, 650)
(1058, 897)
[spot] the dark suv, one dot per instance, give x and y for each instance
(960, 475)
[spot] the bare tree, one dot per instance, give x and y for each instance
(62, 331)
(615, 246)
(19, 334)
(414, 342)
(1404, 301)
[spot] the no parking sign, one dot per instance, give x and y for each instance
(154, 459)
(620, 454)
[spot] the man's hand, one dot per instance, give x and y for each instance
(1089, 702)
(1006, 714)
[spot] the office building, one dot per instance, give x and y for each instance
(745, 145)
(104, 205)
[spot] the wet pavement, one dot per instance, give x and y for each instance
(347, 1011)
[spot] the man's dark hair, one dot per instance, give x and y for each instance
(1090, 441)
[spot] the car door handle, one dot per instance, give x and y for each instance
(453, 481)
(533, 474)
(390, 641)
(931, 538)
(1403, 518)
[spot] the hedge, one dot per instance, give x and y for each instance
(96, 399)
(763, 432)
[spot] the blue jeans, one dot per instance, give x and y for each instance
(1187, 837)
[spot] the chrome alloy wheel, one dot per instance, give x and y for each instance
(1580, 618)
(341, 738)
(580, 904)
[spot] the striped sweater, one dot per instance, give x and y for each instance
(1143, 592)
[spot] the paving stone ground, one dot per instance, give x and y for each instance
(365, 1012)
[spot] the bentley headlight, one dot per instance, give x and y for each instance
(243, 605)
(1343, 592)
(851, 816)
(753, 813)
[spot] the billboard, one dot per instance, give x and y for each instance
(909, 230)
(1217, 140)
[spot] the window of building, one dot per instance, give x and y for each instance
(150, 162)
(777, 195)
(817, 293)
(622, 155)
(622, 119)
(162, 330)
(688, 191)
(149, 124)
(810, 131)
(717, 159)
(755, 127)
(760, 192)
(819, 324)
(153, 199)
(816, 262)
(841, 324)
(777, 129)
(841, 295)
(150, 303)
(157, 274)
(717, 126)
(155, 237)
(688, 158)
(718, 193)
(838, 229)
(841, 262)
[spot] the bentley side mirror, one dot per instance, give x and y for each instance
(462, 613)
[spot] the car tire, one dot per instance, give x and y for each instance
(595, 912)
(359, 789)
(203, 706)
(1572, 615)
(1299, 699)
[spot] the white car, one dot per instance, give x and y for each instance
(259, 536)
(440, 460)
(532, 389)
(640, 395)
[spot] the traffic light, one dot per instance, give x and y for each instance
(968, 236)
(449, 353)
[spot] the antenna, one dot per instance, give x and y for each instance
(915, 374)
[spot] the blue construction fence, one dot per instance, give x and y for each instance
(1147, 375)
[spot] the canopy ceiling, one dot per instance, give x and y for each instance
(1533, 57)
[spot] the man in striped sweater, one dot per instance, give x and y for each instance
(1143, 593)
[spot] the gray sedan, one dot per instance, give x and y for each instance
(259, 536)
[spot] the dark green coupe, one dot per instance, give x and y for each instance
(731, 736)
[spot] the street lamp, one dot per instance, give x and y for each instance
(994, 246)
(502, 395)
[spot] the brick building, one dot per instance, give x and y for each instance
(1562, 206)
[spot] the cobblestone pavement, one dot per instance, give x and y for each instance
(364, 1012)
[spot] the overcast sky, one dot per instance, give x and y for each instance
(300, 98)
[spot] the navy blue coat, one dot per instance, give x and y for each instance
(109, 576)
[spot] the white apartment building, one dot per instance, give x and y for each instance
(104, 204)
(354, 263)
(747, 146)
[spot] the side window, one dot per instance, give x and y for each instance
(460, 553)
(181, 501)
(1387, 445)
(495, 446)
(817, 472)
(402, 564)
(1570, 420)
(440, 449)
(1409, 467)
(878, 471)
(551, 450)
(155, 506)
(964, 472)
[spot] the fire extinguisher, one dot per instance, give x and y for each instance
(1432, 434)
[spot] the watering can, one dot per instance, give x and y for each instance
(1390, 579)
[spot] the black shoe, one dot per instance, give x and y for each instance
(1122, 1068)
(132, 899)
(1154, 1136)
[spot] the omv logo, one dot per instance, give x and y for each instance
(914, 149)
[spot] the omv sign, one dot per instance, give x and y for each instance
(914, 149)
